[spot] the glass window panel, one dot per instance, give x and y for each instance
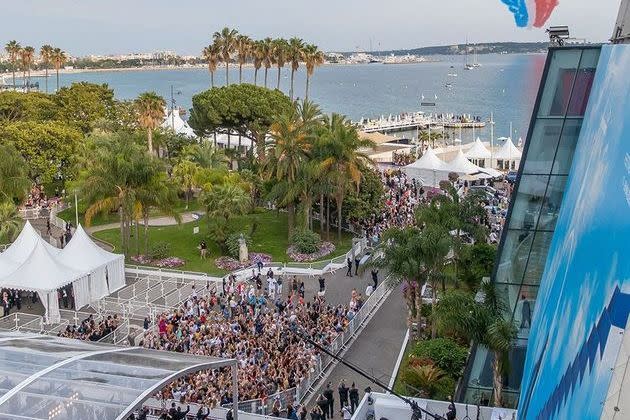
(537, 258)
(542, 146)
(481, 372)
(552, 202)
(566, 147)
(514, 256)
(529, 198)
(560, 76)
(583, 82)
(517, 363)
(524, 309)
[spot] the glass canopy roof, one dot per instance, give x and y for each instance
(45, 377)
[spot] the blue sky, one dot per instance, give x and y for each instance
(185, 26)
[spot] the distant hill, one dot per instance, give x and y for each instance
(481, 48)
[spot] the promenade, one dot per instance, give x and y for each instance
(375, 350)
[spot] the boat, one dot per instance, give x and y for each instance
(449, 85)
(468, 67)
(453, 74)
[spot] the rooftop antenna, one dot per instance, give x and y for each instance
(558, 35)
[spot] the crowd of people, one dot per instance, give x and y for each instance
(91, 330)
(402, 197)
(261, 328)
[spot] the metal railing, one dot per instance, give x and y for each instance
(296, 394)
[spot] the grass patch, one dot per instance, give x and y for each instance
(270, 237)
(105, 218)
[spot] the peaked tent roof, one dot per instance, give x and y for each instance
(462, 165)
(23, 245)
(40, 272)
(508, 151)
(174, 121)
(82, 253)
(478, 151)
(429, 160)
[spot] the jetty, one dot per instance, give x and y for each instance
(419, 120)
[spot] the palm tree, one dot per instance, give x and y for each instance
(258, 55)
(289, 150)
(226, 200)
(58, 58)
(46, 52)
(14, 182)
(483, 322)
(295, 55)
(243, 53)
(10, 221)
(150, 109)
(185, 174)
(280, 49)
(342, 144)
(211, 54)
(156, 193)
(13, 49)
(112, 180)
(26, 56)
(205, 155)
(226, 40)
(266, 51)
(313, 58)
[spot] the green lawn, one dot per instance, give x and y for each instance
(269, 237)
(103, 219)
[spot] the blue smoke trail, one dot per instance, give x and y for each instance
(519, 9)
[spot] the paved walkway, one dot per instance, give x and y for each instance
(375, 350)
(153, 221)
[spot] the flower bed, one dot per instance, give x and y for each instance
(231, 264)
(170, 262)
(325, 248)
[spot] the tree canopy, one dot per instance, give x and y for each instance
(82, 104)
(244, 109)
(48, 147)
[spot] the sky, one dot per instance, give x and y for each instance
(83, 27)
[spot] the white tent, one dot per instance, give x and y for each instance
(23, 245)
(40, 272)
(429, 169)
(478, 153)
(462, 165)
(508, 155)
(176, 123)
(107, 270)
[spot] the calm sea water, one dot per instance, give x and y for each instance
(505, 85)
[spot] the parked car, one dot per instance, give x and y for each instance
(511, 177)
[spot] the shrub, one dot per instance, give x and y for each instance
(445, 353)
(159, 250)
(233, 244)
(306, 241)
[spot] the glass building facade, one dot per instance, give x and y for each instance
(552, 137)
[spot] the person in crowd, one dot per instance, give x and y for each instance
(374, 273)
(343, 393)
(303, 413)
(349, 272)
(291, 413)
(203, 249)
(346, 414)
(200, 414)
(322, 405)
(354, 397)
(330, 398)
(322, 284)
(357, 261)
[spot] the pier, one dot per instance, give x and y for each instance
(420, 121)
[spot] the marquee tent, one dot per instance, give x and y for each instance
(21, 248)
(175, 122)
(40, 272)
(429, 169)
(508, 154)
(478, 153)
(32, 264)
(106, 270)
(461, 165)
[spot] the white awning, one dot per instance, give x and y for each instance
(461, 165)
(478, 151)
(508, 151)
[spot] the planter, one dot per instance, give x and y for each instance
(231, 264)
(325, 248)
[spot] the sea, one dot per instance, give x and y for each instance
(504, 86)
